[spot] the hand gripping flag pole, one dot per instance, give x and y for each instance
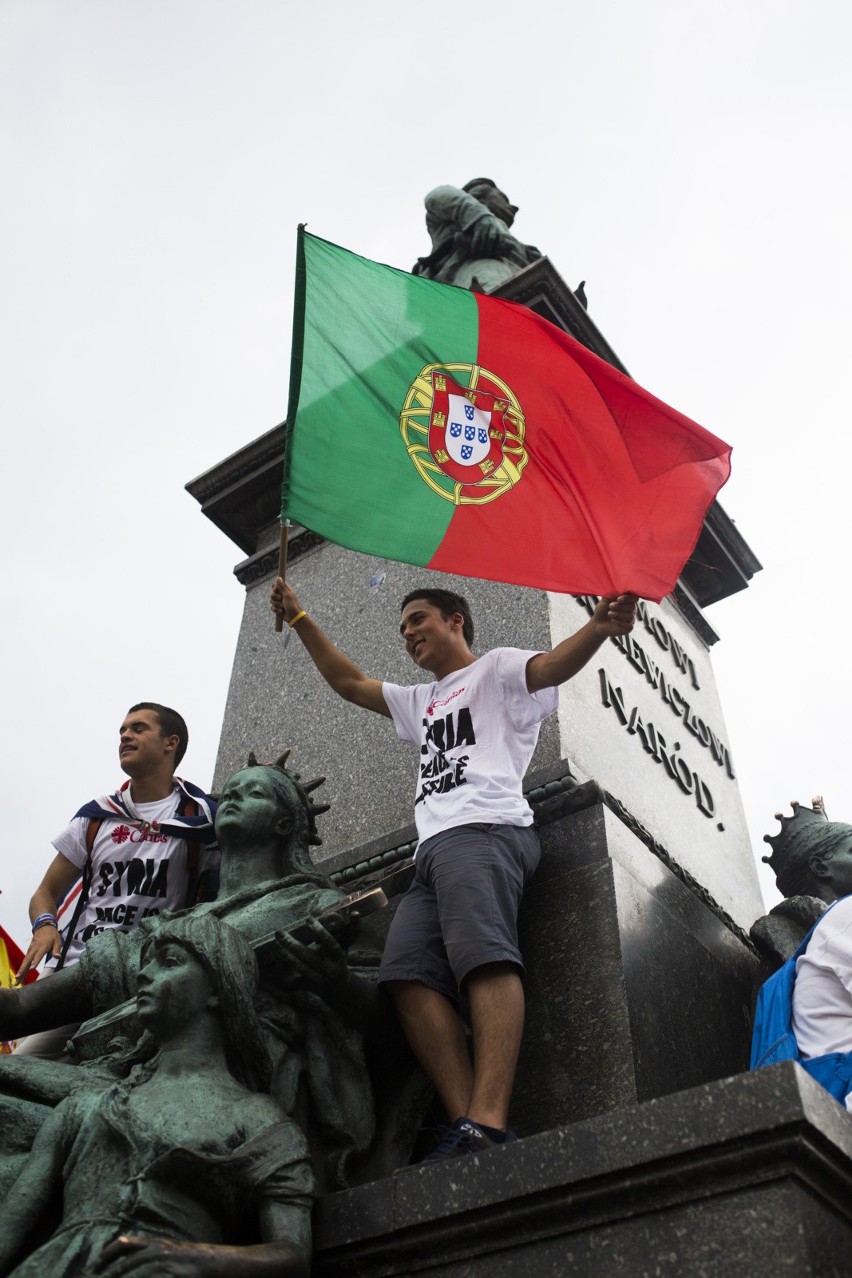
(295, 373)
(282, 567)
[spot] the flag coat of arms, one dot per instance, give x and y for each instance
(465, 433)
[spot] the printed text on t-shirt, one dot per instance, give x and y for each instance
(438, 774)
(434, 705)
(142, 878)
(122, 833)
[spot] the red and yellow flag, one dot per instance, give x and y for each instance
(11, 958)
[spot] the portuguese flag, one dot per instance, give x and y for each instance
(460, 432)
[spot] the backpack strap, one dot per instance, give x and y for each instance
(85, 885)
(189, 807)
(773, 1039)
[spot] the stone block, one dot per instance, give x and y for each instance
(746, 1175)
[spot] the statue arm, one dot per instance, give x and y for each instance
(321, 966)
(152, 1257)
(611, 617)
(31, 1194)
(449, 208)
(45, 1004)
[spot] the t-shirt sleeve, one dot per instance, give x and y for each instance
(406, 707)
(525, 707)
(72, 842)
(834, 947)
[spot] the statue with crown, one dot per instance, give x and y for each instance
(804, 1009)
(339, 1068)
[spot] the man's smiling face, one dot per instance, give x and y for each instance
(430, 637)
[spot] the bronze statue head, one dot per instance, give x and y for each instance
(495, 200)
(230, 963)
(811, 856)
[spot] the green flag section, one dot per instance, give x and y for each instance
(461, 432)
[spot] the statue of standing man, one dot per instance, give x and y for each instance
(472, 245)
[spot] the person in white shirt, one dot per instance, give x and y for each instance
(476, 726)
(821, 1016)
(136, 853)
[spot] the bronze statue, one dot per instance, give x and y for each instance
(472, 245)
(182, 1160)
(318, 1005)
(804, 857)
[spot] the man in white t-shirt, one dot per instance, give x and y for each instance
(822, 994)
(816, 861)
(804, 1010)
(476, 726)
(124, 857)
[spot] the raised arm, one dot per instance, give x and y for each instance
(611, 617)
(347, 679)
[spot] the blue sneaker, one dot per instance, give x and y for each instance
(464, 1137)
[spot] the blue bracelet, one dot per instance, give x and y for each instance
(43, 920)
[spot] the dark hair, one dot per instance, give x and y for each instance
(171, 724)
(468, 186)
(449, 603)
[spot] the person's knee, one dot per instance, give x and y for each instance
(398, 991)
(410, 994)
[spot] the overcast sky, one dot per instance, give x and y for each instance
(689, 161)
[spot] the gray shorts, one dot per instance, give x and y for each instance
(461, 911)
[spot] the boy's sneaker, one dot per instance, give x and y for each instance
(464, 1137)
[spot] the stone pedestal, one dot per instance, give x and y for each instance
(637, 986)
(640, 972)
(750, 1175)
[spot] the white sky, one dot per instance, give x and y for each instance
(691, 162)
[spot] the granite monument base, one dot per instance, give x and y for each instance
(747, 1175)
(637, 983)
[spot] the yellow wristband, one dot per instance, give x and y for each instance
(298, 617)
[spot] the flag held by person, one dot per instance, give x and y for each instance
(465, 433)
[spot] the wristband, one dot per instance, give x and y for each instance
(44, 920)
(298, 617)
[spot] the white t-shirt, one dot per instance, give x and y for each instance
(476, 730)
(137, 872)
(822, 993)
